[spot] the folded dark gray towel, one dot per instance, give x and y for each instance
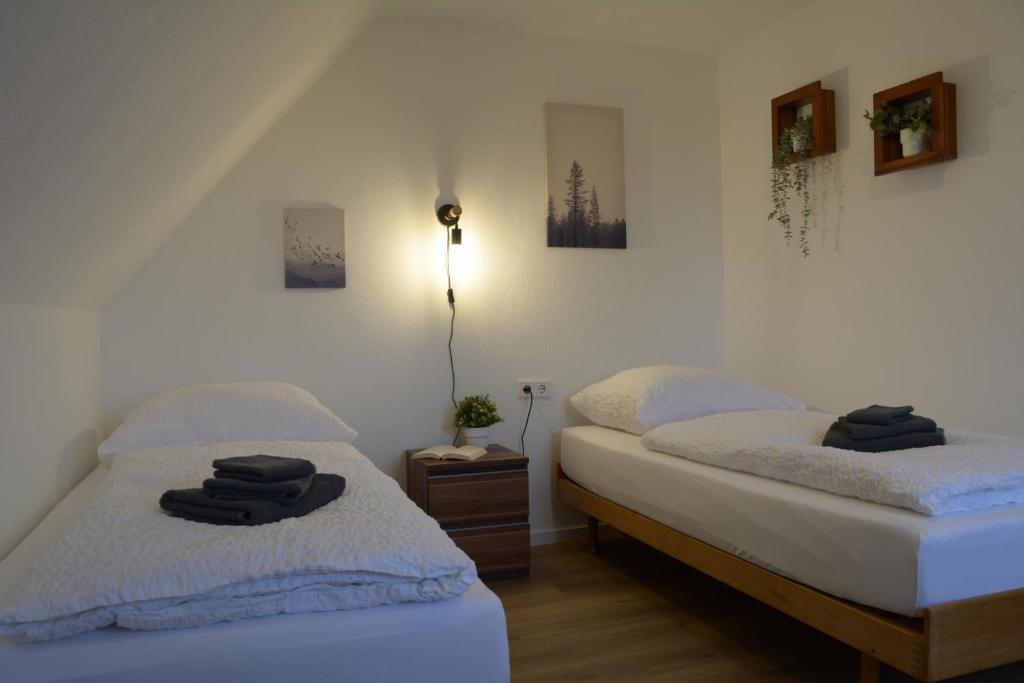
(911, 425)
(837, 439)
(287, 491)
(880, 415)
(198, 506)
(262, 468)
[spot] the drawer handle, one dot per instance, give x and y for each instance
(523, 525)
(480, 475)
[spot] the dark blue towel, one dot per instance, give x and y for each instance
(198, 506)
(835, 438)
(880, 415)
(262, 468)
(913, 423)
(287, 491)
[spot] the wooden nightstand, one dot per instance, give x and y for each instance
(484, 505)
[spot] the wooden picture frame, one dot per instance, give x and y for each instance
(785, 110)
(888, 152)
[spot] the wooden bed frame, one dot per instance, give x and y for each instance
(951, 639)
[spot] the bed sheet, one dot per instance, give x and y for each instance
(885, 557)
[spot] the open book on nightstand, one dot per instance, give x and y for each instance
(450, 453)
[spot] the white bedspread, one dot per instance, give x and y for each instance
(125, 562)
(971, 472)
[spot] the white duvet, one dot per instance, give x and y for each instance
(125, 562)
(971, 472)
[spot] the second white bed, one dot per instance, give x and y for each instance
(462, 639)
(885, 557)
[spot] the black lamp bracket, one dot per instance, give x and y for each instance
(449, 214)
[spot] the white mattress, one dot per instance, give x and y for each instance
(462, 639)
(885, 557)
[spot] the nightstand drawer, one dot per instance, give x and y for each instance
(497, 549)
(489, 497)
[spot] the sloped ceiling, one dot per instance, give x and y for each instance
(118, 116)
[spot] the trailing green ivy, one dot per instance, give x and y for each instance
(791, 174)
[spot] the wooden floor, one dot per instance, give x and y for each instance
(633, 614)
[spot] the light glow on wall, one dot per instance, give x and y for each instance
(464, 259)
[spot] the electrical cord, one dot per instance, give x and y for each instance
(522, 437)
(451, 326)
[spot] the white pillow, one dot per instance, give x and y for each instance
(640, 399)
(214, 413)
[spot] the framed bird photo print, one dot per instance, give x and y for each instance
(314, 248)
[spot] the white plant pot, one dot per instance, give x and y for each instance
(477, 436)
(915, 141)
(800, 144)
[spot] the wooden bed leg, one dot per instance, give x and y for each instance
(592, 535)
(869, 668)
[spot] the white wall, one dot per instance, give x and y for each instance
(921, 302)
(49, 410)
(402, 119)
(117, 118)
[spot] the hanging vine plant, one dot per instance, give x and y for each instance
(790, 174)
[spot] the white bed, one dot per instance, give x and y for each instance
(884, 557)
(462, 639)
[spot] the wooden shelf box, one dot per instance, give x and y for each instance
(888, 151)
(786, 108)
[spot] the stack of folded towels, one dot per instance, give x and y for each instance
(883, 428)
(255, 489)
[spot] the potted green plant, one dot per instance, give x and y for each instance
(790, 174)
(911, 121)
(474, 415)
(801, 135)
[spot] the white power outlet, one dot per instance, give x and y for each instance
(541, 388)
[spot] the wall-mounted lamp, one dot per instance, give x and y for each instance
(449, 215)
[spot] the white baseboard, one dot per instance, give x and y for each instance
(549, 536)
(571, 533)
